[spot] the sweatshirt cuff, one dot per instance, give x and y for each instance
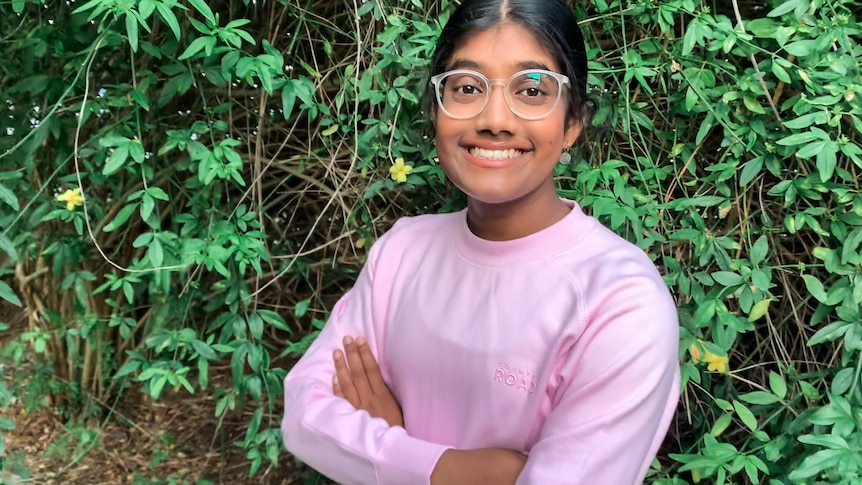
(405, 460)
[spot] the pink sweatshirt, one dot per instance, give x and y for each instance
(562, 344)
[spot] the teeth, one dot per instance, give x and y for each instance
(495, 154)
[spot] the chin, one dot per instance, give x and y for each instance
(491, 195)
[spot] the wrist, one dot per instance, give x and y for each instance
(446, 470)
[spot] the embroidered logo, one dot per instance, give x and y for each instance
(518, 378)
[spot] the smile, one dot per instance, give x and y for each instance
(495, 154)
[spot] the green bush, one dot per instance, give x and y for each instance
(235, 162)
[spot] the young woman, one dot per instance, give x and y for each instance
(517, 341)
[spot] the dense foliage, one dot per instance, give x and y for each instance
(185, 183)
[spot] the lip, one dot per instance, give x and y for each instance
(488, 163)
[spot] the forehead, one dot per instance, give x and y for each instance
(502, 51)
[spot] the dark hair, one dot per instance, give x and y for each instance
(553, 24)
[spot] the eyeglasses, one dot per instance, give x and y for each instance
(532, 94)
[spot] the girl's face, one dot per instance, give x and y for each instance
(497, 157)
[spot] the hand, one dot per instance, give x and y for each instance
(358, 379)
(483, 466)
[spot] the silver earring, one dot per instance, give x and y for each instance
(565, 158)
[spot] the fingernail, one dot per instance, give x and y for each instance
(348, 340)
(336, 355)
(335, 379)
(360, 341)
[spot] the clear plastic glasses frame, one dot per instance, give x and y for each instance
(463, 105)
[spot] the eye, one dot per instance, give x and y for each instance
(532, 92)
(466, 87)
(533, 86)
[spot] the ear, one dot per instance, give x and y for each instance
(573, 131)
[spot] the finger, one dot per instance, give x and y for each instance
(345, 383)
(336, 389)
(372, 369)
(357, 369)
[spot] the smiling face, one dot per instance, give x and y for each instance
(497, 157)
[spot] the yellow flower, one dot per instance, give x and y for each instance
(714, 363)
(399, 172)
(72, 197)
(695, 352)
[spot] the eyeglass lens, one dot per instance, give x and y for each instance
(531, 94)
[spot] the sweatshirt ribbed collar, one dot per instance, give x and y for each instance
(542, 245)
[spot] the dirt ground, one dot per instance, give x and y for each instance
(176, 440)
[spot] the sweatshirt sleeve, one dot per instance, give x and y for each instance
(326, 431)
(617, 388)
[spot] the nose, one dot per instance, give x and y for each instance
(497, 117)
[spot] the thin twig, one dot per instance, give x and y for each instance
(741, 26)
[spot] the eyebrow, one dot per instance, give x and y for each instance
(521, 66)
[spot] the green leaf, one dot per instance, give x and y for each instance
(147, 206)
(169, 18)
(116, 160)
(727, 278)
(829, 333)
(852, 246)
(18, 6)
(759, 310)
(158, 193)
(691, 37)
(301, 308)
(88, 6)
(141, 99)
(745, 415)
(818, 462)
(702, 201)
(274, 319)
(112, 141)
(8, 197)
(759, 250)
(132, 30)
(203, 373)
(780, 73)
(288, 99)
(7, 294)
(786, 7)
(156, 253)
(128, 292)
(721, 424)
(255, 326)
(801, 138)
(759, 397)
(843, 380)
(6, 425)
(204, 350)
(142, 240)
(804, 121)
(202, 7)
(136, 150)
(815, 287)
(830, 441)
(146, 8)
(7, 247)
(827, 161)
(127, 368)
(196, 46)
(800, 48)
(753, 105)
(121, 218)
(750, 170)
(777, 385)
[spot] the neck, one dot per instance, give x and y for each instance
(517, 218)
